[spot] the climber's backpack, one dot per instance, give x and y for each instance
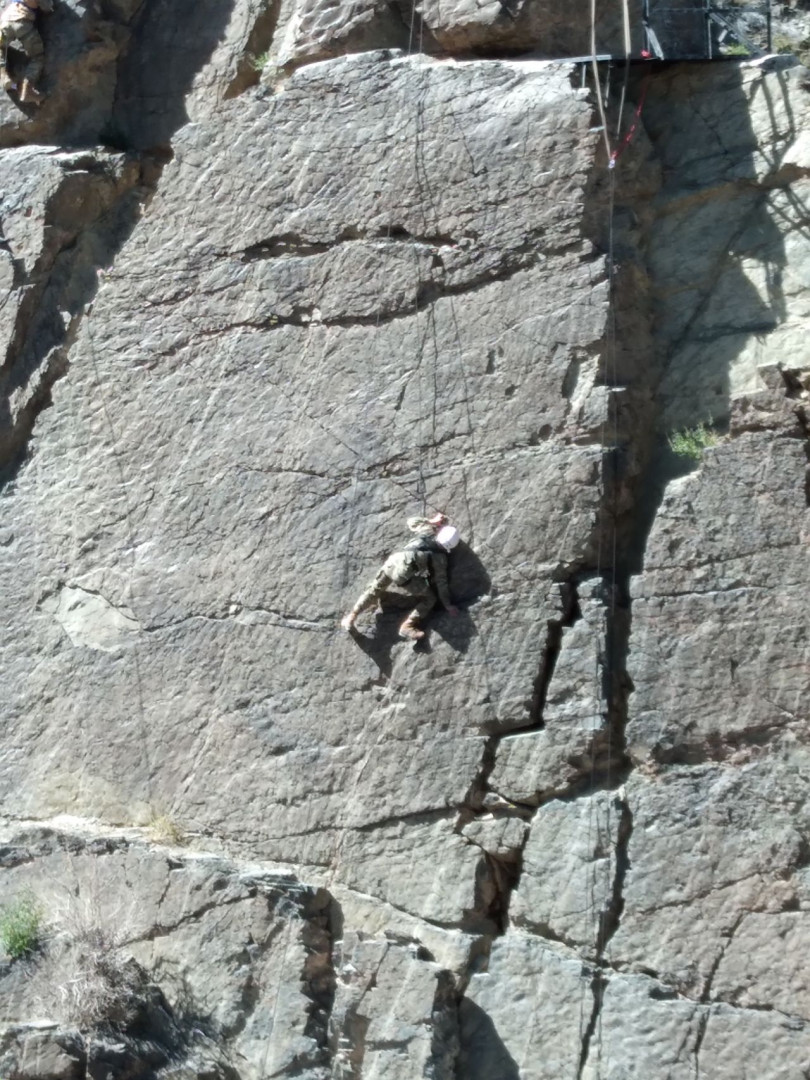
(412, 561)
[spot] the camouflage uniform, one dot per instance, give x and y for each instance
(18, 29)
(426, 587)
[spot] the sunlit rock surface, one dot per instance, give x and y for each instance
(249, 327)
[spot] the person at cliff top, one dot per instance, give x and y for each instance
(419, 570)
(18, 29)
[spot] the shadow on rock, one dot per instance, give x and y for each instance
(458, 632)
(380, 641)
(483, 1055)
(174, 42)
(468, 578)
(716, 263)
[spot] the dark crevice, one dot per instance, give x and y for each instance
(797, 388)
(444, 1025)
(598, 986)
(305, 315)
(14, 438)
(473, 800)
(419, 34)
(292, 244)
(286, 244)
(794, 386)
(703, 1023)
(605, 764)
(610, 916)
(491, 893)
(322, 915)
(706, 993)
(159, 930)
(505, 877)
(548, 661)
(415, 817)
(11, 856)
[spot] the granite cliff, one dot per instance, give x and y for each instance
(274, 277)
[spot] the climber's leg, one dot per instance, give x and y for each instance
(29, 40)
(426, 597)
(368, 599)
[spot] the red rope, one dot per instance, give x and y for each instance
(614, 157)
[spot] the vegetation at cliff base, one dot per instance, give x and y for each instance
(20, 926)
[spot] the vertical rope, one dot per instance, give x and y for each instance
(595, 67)
(607, 540)
(627, 51)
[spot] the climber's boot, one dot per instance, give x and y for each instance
(410, 631)
(29, 94)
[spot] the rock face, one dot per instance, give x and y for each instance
(244, 958)
(244, 340)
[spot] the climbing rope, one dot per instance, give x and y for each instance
(376, 719)
(599, 832)
(631, 131)
(597, 83)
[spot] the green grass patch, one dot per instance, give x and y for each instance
(20, 925)
(259, 63)
(691, 442)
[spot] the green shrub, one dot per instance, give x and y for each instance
(259, 63)
(735, 50)
(691, 442)
(20, 925)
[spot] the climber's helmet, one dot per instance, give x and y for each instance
(448, 537)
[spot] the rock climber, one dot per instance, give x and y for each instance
(18, 30)
(419, 570)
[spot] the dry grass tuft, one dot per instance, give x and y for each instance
(165, 830)
(95, 981)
